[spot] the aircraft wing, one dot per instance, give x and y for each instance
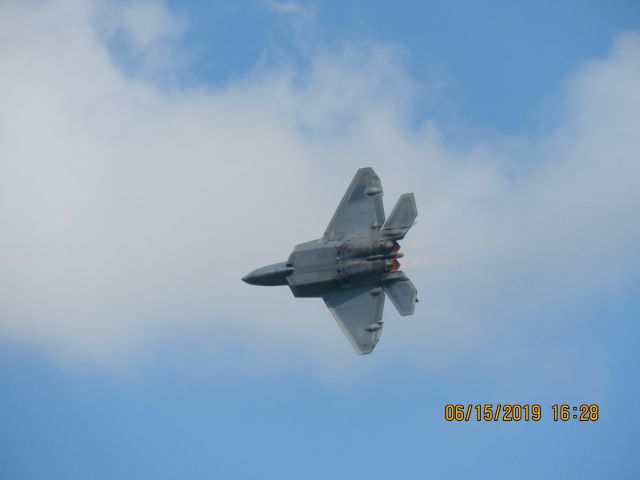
(359, 314)
(361, 210)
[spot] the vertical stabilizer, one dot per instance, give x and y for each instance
(401, 218)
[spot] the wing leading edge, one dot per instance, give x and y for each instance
(359, 314)
(361, 210)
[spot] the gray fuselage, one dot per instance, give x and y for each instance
(320, 266)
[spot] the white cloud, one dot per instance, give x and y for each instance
(304, 14)
(128, 213)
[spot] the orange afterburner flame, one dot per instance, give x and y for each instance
(395, 265)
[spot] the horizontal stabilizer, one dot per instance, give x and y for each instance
(401, 218)
(403, 295)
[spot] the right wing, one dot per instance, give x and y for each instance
(361, 210)
(359, 314)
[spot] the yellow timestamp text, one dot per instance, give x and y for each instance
(516, 412)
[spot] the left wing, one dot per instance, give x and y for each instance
(361, 210)
(359, 314)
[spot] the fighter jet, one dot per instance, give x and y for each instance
(354, 264)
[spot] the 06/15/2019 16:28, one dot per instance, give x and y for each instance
(514, 412)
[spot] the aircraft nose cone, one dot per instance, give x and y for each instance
(249, 278)
(270, 275)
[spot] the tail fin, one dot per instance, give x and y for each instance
(401, 218)
(403, 295)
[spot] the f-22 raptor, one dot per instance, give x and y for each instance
(354, 264)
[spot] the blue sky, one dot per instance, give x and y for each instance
(130, 348)
(500, 59)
